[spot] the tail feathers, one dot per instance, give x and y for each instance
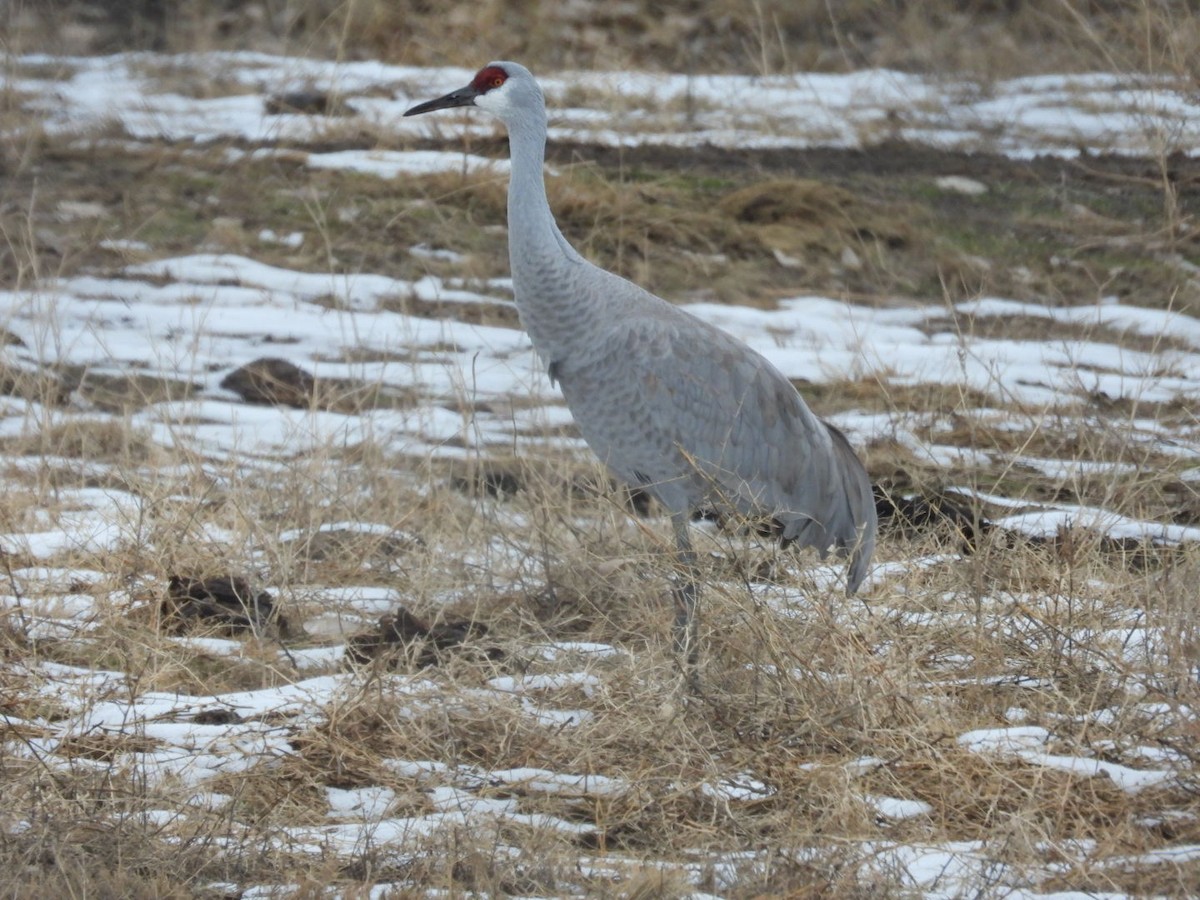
(860, 561)
(859, 539)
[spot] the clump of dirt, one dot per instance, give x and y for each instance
(272, 382)
(401, 635)
(307, 102)
(279, 382)
(227, 604)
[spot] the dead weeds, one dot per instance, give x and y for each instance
(812, 704)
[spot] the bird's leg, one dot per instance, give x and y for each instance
(687, 591)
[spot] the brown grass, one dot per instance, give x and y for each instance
(791, 701)
(822, 701)
(983, 38)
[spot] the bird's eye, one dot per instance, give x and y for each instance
(486, 79)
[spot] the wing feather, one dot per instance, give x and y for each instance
(708, 420)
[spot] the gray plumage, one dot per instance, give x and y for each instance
(666, 401)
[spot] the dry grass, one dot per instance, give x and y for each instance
(983, 38)
(834, 684)
(798, 690)
(819, 703)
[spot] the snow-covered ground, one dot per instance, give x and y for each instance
(477, 389)
(1021, 117)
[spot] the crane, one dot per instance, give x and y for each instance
(668, 402)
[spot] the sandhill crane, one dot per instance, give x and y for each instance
(668, 402)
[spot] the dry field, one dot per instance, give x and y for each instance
(986, 39)
(256, 335)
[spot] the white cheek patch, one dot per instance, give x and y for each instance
(495, 100)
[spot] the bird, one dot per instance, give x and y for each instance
(668, 402)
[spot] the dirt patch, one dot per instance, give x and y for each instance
(224, 604)
(696, 223)
(1049, 230)
(402, 637)
(280, 382)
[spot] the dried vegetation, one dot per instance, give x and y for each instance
(814, 706)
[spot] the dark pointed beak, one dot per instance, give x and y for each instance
(462, 97)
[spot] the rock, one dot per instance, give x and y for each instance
(74, 210)
(961, 185)
(788, 262)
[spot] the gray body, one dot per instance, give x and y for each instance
(668, 402)
(672, 404)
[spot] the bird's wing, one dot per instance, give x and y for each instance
(741, 424)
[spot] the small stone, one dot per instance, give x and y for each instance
(788, 262)
(73, 210)
(961, 185)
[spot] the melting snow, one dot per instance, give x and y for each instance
(1021, 116)
(1027, 743)
(895, 809)
(196, 318)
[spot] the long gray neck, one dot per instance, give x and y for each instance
(545, 268)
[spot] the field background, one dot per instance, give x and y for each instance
(983, 38)
(1009, 709)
